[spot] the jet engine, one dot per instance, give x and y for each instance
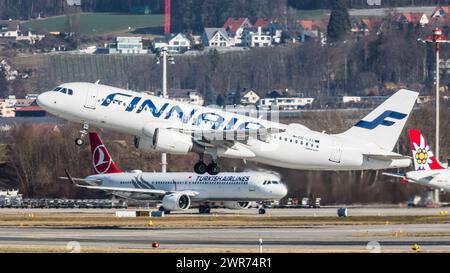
(236, 205)
(174, 202)
(166, 141)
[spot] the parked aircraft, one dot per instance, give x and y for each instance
(177, 190)
(428, 170)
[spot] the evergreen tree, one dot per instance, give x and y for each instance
(339, 23)
(3, 84)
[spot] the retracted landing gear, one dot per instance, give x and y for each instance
(83, 133)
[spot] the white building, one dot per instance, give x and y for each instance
(284, 103)
(128, 45)
(250, 98)
(175, 44)
(252, 37)
(216, 37)
(9, 29)
(184, 95)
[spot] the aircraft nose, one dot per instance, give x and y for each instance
(283, 191)
(44, 100)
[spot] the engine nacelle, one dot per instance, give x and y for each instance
(236, 205)
(166, 141)
(174, 202)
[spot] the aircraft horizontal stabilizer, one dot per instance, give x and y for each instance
(396, 175)
(386, 157)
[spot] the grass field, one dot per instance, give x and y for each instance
(313, 14)
(108, 220)
(99, 23)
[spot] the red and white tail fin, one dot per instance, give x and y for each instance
(422, 155)
(101, 160)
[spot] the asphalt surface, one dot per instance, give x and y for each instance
(327, 238)
(360, 238)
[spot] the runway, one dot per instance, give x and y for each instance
(309, 236)
(394, 238)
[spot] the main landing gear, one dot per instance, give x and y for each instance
(83, 133)
(201, 168)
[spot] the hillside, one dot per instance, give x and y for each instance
(99, 23)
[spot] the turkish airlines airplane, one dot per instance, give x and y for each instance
(428, 171)
(179, 128)
(178, 190)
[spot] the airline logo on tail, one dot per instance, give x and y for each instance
(101, 160)
(422, 155)
(381, 120)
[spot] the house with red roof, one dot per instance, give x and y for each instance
(414, 18)
(235, 27)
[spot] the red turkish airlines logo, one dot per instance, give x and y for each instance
(101, 160)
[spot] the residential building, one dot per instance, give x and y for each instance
(364, 99)
(128, 45)
(312, 29)
(191, 96)
(252, 37)
(216, 37)
(284, 104)
(414, 18)
(235, 28)
(178, 43)
(7, 107)
(9, 28)
(272, 26)
(250, 98)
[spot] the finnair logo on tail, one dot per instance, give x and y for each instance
(381, 120)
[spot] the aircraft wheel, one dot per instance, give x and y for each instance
(200, 168)
(262, 211)
(79, 142)
(213, 169)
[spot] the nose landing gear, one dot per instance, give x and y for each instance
(83, 133)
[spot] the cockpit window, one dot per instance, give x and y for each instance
(70, 92)
(63, 90)
(274, 182)
(57, 89)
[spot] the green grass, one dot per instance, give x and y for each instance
(98, 23)
(313, 14)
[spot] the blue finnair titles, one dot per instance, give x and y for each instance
(138, 105)
(176, 127)
(382, 120)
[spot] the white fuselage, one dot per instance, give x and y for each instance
(439, 179)
(296, 147)
(249, 186)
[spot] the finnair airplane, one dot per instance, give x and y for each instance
(428, 171)
(178, 190)
(179, 128)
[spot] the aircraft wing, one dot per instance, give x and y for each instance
(229, 135)
(73, 180)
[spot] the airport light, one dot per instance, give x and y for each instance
(166, 57)
(437, 38)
